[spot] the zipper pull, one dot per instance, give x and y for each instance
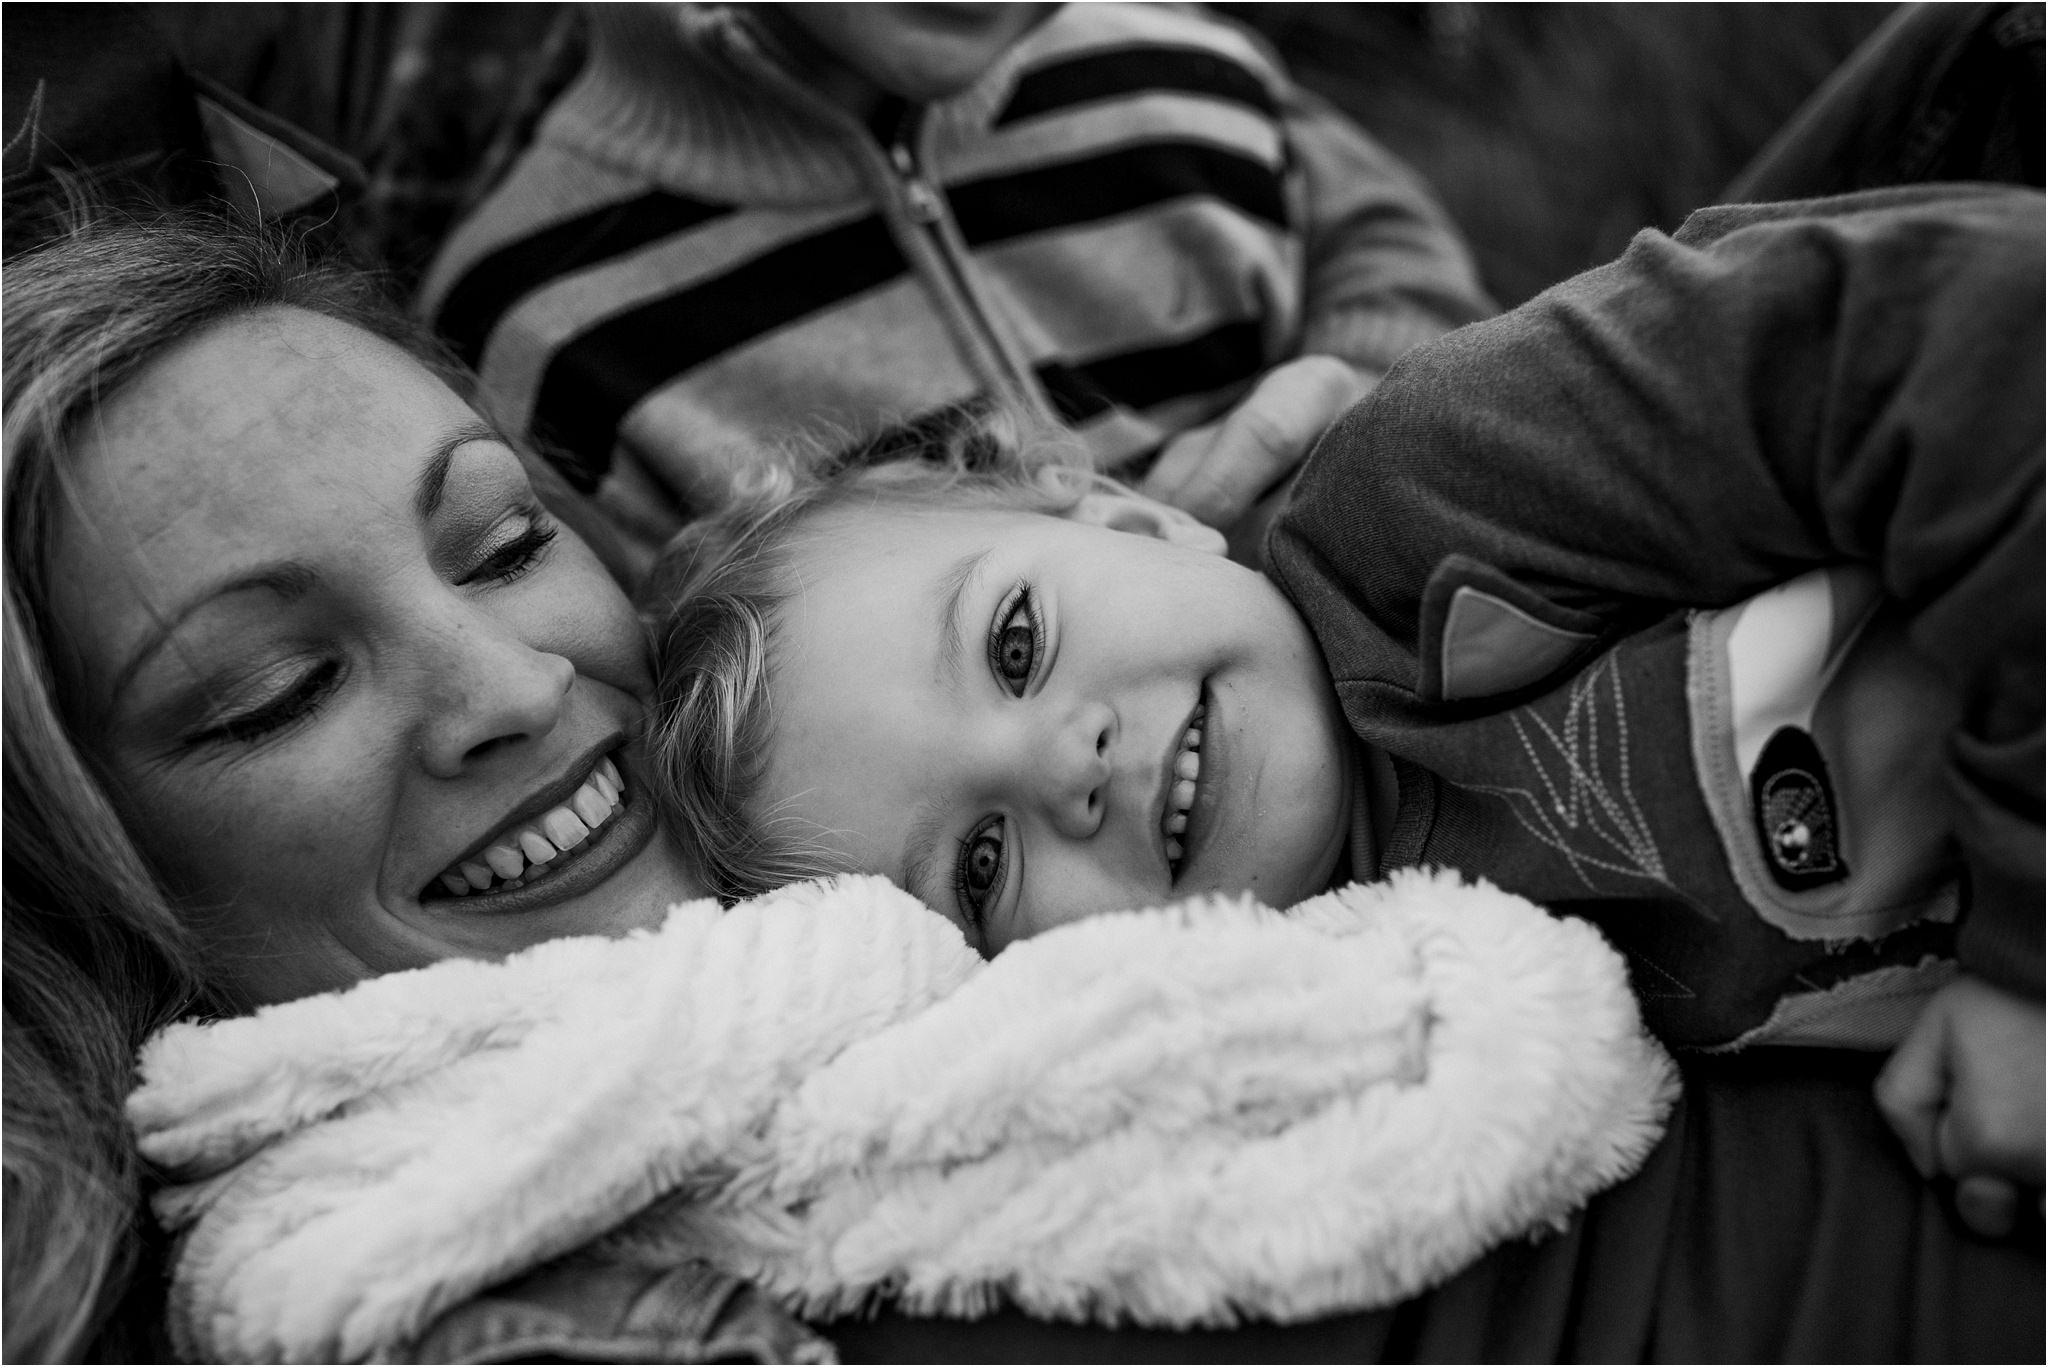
(924, 202)
(922, 199)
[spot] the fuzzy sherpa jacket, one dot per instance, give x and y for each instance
(1175, 1117)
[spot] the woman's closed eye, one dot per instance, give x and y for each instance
(291, 693)
(1016, 640)
(512, 547)
(979, 872)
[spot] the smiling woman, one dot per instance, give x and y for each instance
(306, 682)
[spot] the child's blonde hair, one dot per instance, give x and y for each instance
(714, 602)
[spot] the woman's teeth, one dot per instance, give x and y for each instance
(1187, 768)
(522, 854)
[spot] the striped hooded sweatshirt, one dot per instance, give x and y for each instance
(1122, 223)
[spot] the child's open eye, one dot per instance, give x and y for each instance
(1015, 641)
(978, 880)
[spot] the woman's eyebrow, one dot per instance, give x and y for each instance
(287, 579)
(433, 477)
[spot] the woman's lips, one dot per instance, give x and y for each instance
(530, 849)
(605, 846)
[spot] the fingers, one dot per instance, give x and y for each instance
(1178, 460)
(1217, 472)
(1912, 1089)
(1992, 1116)
(1988, 1206)
(1963, 1092)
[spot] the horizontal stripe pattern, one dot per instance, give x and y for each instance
(1218, 359)
(1225, 358)
(1124, 188)
(1117, 74)
(594, 381)
(1128, 180)
(497, 282)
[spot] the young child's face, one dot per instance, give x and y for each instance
(994, 709)
(920, 52)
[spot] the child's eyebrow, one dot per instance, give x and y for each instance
(919, 847)
(953, 596)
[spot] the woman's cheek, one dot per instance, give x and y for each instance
(582, 615)
(306, 823)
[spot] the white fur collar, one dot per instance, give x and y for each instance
(1174, 1117)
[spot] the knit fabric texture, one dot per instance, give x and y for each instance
(1120, 225)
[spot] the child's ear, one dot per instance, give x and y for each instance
(1125, 510)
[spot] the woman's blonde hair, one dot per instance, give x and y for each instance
(714, 601)
(96, 955)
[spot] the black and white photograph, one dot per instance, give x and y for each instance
(1108, 682)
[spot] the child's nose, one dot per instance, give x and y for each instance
(1070, 766)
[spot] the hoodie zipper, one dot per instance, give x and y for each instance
(926, 209)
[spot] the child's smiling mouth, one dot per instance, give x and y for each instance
(1183, 783)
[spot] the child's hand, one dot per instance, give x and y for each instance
(1218, 471)
(1964, 1092)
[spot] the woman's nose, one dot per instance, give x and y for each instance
(1070, 767)
(485, 687)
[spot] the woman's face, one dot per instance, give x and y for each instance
(361, 700)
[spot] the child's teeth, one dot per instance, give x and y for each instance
(1173, 849)
(1189, 765)
(479, 875)
(1184, 793)
(611, 773)
(564, 830)
(505, 861)
(457, 885)
(1177, 823)
(605, 789)
(536, 847)
(1193, 739)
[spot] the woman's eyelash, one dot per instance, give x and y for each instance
(515, 555)
(1016, 640)
(298, 703)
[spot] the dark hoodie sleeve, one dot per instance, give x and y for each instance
(1774, 388)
